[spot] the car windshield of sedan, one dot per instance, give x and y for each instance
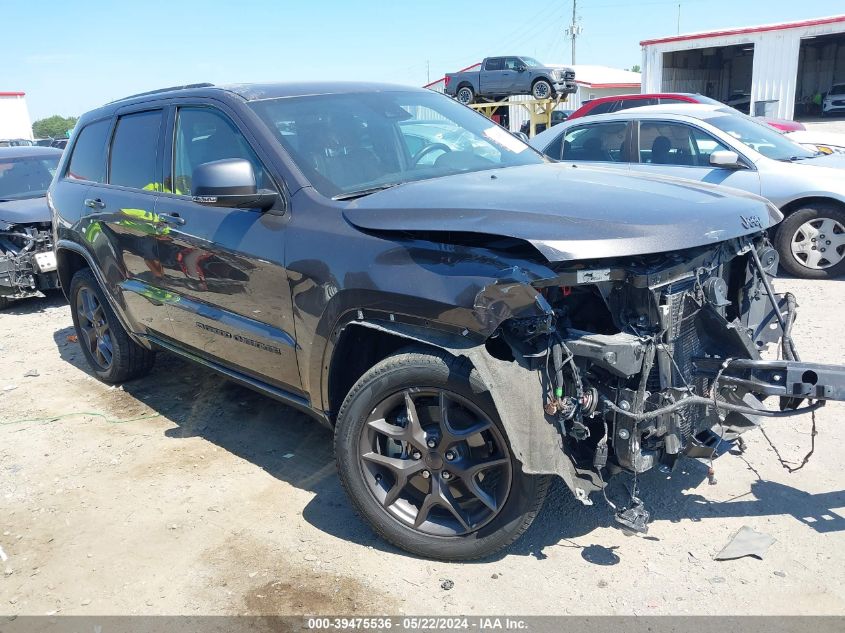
(353, 144)
(760, 137)
(27, 177)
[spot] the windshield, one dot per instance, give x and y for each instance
(531, 62)
(27, 177)
(838, 89)
(346, 143)
(760, 137)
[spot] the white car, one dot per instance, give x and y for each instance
(834, 100)
(717, 145)
(826, 143)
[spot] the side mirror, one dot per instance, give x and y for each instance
(727, 159)
(229, 183)
(521, 68)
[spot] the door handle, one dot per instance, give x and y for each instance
(173, 219)
(95, 203)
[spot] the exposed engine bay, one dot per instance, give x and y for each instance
(649, 358)
(27, 260)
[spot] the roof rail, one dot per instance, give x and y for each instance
(160, 90)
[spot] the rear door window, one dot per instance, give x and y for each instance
(599, 142)
(665, 143)
(495, 63)
(134, 151)
(88, 161)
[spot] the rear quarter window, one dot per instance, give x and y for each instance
(88, 161)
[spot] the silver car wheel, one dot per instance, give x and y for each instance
(819, 243)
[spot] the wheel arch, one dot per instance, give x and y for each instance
(515, 390)
(68, 263)
(70, 259)
(359, 345)
(806, 201)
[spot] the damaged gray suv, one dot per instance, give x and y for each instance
(469, 317)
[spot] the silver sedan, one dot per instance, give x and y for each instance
(717, 145)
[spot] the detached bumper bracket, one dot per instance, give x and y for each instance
(784, 378)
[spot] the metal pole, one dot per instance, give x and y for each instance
(574, 30)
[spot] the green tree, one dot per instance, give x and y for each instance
(53, 126)
(635, 68)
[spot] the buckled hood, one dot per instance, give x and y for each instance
(570, 213)
(26, 211)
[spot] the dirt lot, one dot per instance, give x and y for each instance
(221, 501)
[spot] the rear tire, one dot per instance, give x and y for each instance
(465, 95)
(112, 355)
(802, 236)
(395, 477)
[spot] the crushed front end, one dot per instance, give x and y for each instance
(645, 359)
(27, 261)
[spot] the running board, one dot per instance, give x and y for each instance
(297, 402)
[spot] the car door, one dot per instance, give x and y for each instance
(122, 225)
(490, 78)
(514, 81)
(675, 148)
(224, 267)
(606, 143)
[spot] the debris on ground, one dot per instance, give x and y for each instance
(72, 338)
(31, 373)
(746, 542)
(447, 584)
(3, 555)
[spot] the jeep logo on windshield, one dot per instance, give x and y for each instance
(751, 222)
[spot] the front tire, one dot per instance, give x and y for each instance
(542, 89)
(112, 355)
(811, 241)
(426, 461)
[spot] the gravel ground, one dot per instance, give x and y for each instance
(214, 500)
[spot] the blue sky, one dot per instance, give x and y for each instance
(72, 56)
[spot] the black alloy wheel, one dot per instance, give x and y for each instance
(435, 461)
(94, 330)
(426, 460)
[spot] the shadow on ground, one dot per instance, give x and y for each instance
(33, 305)
(293, 448)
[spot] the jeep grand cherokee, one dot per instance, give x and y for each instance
(468, 325)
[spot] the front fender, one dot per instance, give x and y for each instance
(517, 393)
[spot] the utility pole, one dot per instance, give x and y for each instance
(574, 30)
(679, 18)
